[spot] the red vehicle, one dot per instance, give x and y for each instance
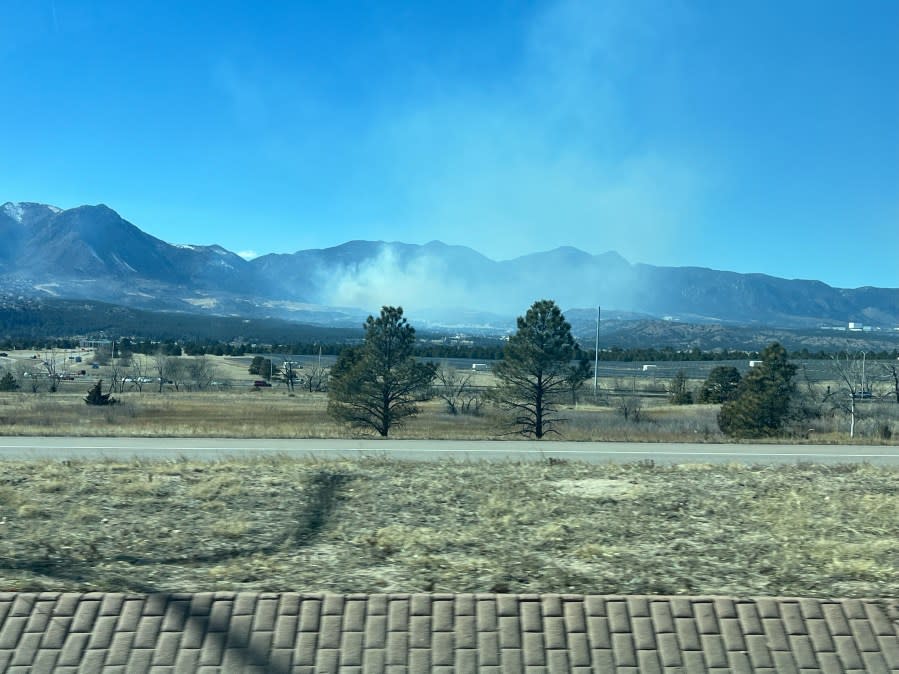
(261, 383)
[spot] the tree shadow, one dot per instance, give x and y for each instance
(214, 627)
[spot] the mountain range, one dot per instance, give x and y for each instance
(90, 252)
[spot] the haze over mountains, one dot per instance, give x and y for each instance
(90, 252)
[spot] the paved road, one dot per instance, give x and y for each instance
(12, 448)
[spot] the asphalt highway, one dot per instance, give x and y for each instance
(60, 448)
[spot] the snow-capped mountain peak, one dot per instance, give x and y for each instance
(14, 210)
(26, 212)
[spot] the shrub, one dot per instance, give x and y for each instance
(678, 393)
(8, 383)
(95, 395)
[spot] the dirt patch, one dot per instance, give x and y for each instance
(599, 488)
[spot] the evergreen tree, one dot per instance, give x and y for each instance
(763, 399)
(721, 385)
(535, 369)
(8, 383)
(95, 395)
(375, 385)
(262, 366)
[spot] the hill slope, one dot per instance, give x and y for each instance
(90, 252)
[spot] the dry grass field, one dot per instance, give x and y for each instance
(274, 413)
(231, 407)
(381, 526)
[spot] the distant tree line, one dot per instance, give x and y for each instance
(481, 349)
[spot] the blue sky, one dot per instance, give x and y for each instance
(752, 135)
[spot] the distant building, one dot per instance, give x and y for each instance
(96, 344)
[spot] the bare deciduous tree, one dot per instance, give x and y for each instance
(199, 373)
(53, 373)
(456, 390)
(31, 379)
(315, 378)
(139, 372)
(165, 368)
(850, 372)
(117, 375)
(630, 407)
(890, 371)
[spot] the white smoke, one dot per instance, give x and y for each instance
(422, 282)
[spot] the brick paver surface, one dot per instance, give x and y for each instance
(410, 633)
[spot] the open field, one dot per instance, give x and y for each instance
(274, 413)
(277, 414)
(379, 526)
(229, 406)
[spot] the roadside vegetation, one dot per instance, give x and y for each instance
(390, 526)
(540, 386)
(379, 525)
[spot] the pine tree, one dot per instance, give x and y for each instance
(721, 385)
(8, 383)
(763, 399)
(375, 385)
(535, 369)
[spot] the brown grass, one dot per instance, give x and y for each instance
(234, 409)
(380, 526)
(275, 413)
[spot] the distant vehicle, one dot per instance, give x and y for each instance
(479, 367)
(4, 355)
(860, 395)
(261, 383)
(647, 368)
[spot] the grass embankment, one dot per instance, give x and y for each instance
(384, 526)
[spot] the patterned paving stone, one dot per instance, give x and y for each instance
(291, 633)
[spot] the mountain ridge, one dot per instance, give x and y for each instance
(91, 252)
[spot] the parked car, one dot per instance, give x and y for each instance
(261, 383)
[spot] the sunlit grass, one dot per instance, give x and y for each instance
(382, 525)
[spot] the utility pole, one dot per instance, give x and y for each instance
(596, 356)
(864, 356)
